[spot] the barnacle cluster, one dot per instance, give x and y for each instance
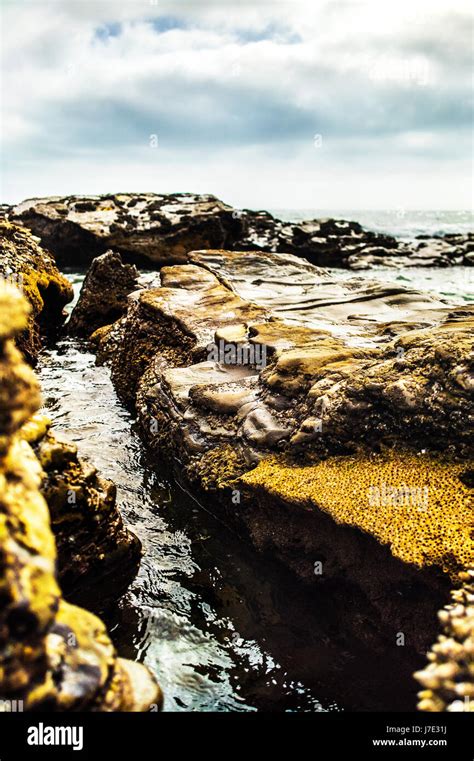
(448, 679)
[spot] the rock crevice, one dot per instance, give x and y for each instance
(53, 655)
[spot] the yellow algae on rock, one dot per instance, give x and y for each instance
(25, 264)
(217, 468)
(14, 310)
(90, 536)
(415, 503)
(35, 428)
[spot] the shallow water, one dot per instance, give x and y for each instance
(185, 614)
(223, 628)
(454, 284)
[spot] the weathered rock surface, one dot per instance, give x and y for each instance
(104, 294)
(156, 228)
(25, 264)
(163, 229)
(91, 540)
(53, 655)
(299, 406)
(293, 313)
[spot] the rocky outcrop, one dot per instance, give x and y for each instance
(455, 248)
(448, 680)
(420, 383)
(53, 655)
(295, 320)
(103, 297)
(162, 229)
(324, 420)
(440, 251)
(26, 265)
(92, 543)
(143, 227)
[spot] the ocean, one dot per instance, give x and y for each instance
(398, 222)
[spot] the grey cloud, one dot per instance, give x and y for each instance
(283, 91)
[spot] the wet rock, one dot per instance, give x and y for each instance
(92, 543)
(346, 382)
(418, 388)
(304, 295)
(163, 229)
(180, 318)
(268, 302)
(356, 357)
(26, 265)
(53, 655)
(103, 297)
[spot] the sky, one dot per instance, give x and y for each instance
(324, 104)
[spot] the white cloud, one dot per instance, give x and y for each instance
(235, 93)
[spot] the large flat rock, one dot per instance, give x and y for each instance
(288, 400)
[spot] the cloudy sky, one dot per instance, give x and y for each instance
(300, 104)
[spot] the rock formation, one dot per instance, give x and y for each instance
(161, 230)
(53, 655)
(326, 421)
(104, 294)
(25, 264)
(91, 540)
